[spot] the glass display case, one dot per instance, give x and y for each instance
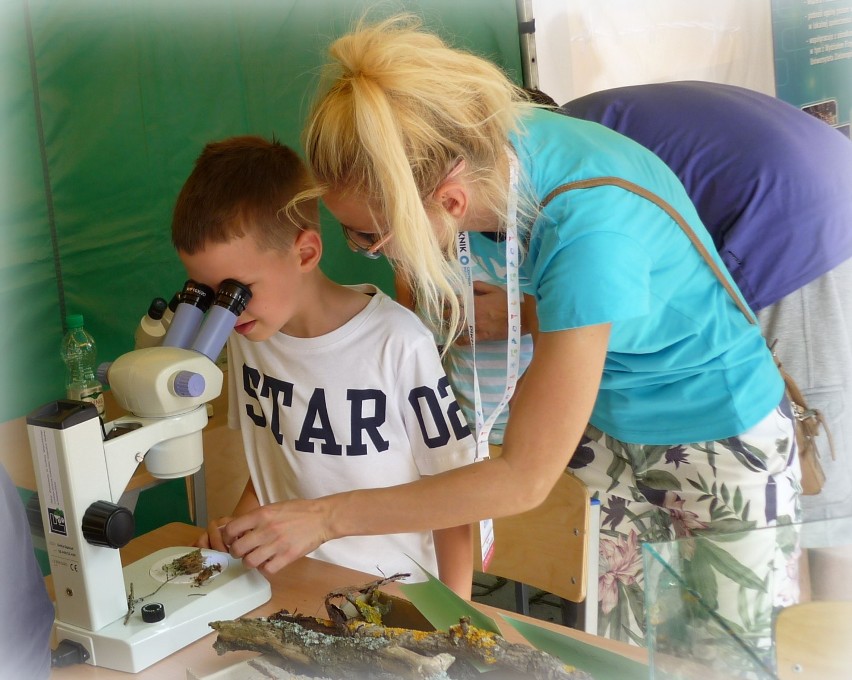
(771, 603)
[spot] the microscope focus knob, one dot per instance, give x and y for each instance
(189, 384)
(108, 524)
(103, 373)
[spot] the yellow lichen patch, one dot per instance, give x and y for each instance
(364, 630)
(369, 613)
(476, 638)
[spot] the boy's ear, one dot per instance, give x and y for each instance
(308, 246)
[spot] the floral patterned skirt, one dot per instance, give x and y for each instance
(654, 493)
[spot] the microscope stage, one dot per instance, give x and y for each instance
(188, 609)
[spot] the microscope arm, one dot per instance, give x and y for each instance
(175, 438)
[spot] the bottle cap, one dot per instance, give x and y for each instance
(153, 612)
(74, 321)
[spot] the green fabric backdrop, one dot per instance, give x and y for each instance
(104, 106)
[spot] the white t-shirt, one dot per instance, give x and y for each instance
(367, 405)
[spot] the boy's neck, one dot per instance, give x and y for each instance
(325, 307)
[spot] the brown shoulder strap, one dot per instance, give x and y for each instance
(674, 214)
(810, 420)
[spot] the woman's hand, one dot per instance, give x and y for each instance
(492, 314)
(272, 536)
(491, 310)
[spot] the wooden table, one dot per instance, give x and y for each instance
(301, 587)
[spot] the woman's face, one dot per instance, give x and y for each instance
(365, 225)
(360, 223)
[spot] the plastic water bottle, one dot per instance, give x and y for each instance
(150, 331)
(79, 353)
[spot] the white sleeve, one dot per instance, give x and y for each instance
(437, 431)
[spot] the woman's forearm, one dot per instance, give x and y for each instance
(461, 496)
(564, 376)
(562, 379)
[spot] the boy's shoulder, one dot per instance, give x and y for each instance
(387, 310)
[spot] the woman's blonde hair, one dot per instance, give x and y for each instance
(395, 113)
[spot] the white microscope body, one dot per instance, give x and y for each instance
(82, 469)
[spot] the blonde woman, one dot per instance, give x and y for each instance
(643, 364)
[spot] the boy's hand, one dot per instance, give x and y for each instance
(272, 536)
(213, 537)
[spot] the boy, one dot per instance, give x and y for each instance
(334, 388)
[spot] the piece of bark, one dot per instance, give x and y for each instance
(363, 598)
(369, 651)
(358, 645)
(474, 644)
(334, 656)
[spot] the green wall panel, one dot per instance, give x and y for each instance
(127, 93)
(30, 332)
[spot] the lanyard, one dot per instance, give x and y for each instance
(513, 300)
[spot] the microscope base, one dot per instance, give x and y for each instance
(188, 610)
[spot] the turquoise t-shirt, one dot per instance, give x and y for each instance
(683, 364)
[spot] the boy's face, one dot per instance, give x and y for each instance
(274, 277)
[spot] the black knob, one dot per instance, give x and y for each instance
(153, 612)
(157, 308)
(108, 524)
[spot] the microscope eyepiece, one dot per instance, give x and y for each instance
(195, 300)
(231, 301)
(197, 295)
(233, 296)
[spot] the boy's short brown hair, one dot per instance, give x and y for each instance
(241, 186)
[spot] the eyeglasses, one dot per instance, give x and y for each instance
(369, 244)
(365, 243)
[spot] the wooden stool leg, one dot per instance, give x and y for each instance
(572, 612)
(196, 494)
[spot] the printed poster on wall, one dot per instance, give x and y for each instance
(813, 57)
